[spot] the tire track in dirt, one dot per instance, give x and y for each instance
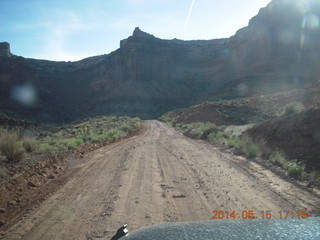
(158, 176)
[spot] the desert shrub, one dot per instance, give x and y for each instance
(212, 137)
(234, 142)
(73, 142)
(293, 169)
(249, 148)
(288, 164)
(170, 123)
(125, 128)
(202, 129)
(59, 134)
(85, 137)
(94, 138)
(116, 133)
(296, 171)
(105, 138)
(136, 124)
(29, 144)
(217, 137)
(11, 148)
(225, 137)
(51, 142)
(46, 148)
(196, 133)
(293, 108)
(277, 158)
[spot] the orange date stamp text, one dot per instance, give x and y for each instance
(265, 214)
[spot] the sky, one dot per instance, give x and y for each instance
(70, 30)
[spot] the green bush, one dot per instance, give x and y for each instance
(249, 148)
(73, 142)
(288, 164)
(293, 169)
(212, 137)
(46, 148)
(29, 144)
(105, 138)
(296, 171)
(85, 137)
(51, 142)
(225, 137)
(234, 142)
(218, 137)
(196, 133)
(116, 133)
(202, 129)
(11, 148)
(277, 158)
(293, 108)
(94, 138)
(125, 128)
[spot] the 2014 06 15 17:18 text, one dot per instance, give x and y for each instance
(265, 214)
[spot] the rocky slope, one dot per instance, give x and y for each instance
(245, 110)
(297, 135)
(147, 76)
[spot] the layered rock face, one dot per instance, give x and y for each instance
(148, 76)
(5, 49)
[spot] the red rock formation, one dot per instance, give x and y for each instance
(5, 49)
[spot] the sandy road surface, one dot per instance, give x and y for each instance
(158, 176)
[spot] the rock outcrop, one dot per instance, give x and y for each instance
(5, 49)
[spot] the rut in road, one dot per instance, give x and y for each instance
(158, 176)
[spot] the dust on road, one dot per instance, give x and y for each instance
(155, 177)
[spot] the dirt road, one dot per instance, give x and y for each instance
(158, 176)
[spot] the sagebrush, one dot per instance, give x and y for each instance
(11, 148)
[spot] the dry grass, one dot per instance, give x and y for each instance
(11, 148)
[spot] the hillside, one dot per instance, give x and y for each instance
(148, 76)
(246, 110)
(297, 135)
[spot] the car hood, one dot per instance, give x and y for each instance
(231, 229)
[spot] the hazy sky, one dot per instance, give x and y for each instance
(75, 29)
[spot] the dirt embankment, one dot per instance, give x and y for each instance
(298, 135)
(30, 182)
(155, 177)
(29, 188)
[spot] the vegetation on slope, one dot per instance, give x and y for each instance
(220, 135)
(223, 128)
(240, 111)
(57, 139)
(26, 143)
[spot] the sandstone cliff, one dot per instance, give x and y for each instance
(147, 76)
(5, 49)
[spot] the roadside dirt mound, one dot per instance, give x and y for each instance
(228, 113)
(202, 113)
(297, 135)
(26, 189)
(11, 121)
(241, 111)
(28, 183)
